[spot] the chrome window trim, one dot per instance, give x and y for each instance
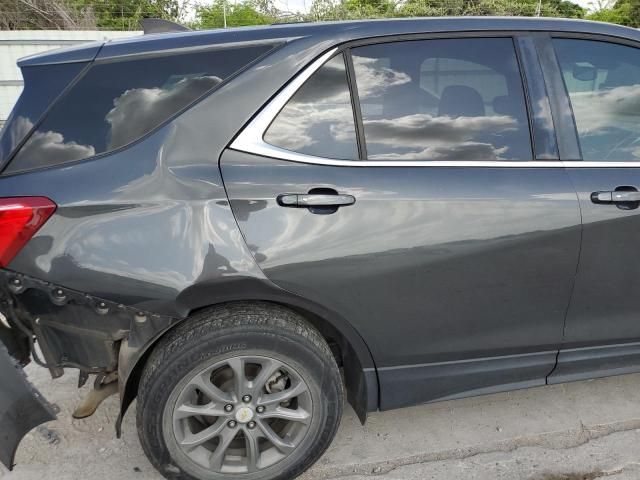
(250, 140)
(592, 164)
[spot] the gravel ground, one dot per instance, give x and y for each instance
(578, 431)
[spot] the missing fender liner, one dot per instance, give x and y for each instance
(75, 329)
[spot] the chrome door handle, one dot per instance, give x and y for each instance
(615, 197)
(323, 200)
(305, 200)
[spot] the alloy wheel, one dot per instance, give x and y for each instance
(241, 415)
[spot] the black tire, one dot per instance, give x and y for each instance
(229, 331)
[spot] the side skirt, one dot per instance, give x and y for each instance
(595, 362)
(416, 384)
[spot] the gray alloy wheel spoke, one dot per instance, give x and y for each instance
(208, 410)
(268, 433)
(253, 451)
(297, 415)
(225, 399)
(288, 394)
(217, 457)
(239, 378)
(193, 440)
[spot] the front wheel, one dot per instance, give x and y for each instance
(245, 390)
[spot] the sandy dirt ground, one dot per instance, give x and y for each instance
(578, 431)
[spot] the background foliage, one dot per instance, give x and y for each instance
(125, 14)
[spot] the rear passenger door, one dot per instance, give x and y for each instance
(427, 220)
(602, 80)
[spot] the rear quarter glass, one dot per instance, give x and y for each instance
(42, 84)
(116, 103)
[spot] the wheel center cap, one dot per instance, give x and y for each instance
(244, 415)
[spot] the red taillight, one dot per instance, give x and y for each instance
(20, 219)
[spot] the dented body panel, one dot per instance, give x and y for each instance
(148, 231)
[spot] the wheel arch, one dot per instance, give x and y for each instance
(352, 353)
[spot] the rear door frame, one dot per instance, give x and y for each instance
(600, 358)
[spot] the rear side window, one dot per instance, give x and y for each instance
(453, 99)
(603, 82)
(42, 84)
(318, 120)
(116, 103)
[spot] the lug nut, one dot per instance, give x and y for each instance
(246, 398)
(251, 425)
(228, 407)
(260, 409)
(231, 424)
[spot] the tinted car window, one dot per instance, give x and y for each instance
(318, 120)
(455, 99)
(116, 103)
(603, 82)
(42, 84)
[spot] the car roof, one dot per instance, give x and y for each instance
(343, 30)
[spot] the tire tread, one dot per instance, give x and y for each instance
(265, 318)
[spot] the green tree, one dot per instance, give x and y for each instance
(324, 10)
(549, 8)
(567, 9)
(42, 14)
(623, 12)
(629, 12)
(368, 8)
(348, 9)
(126, 14)
(248, 12)
(611, 15)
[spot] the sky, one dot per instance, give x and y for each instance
(585, 3)
(294, 5)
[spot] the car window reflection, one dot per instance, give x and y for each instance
(115, 104)
(457, 99)
(134, 113)
(603, 82)
(318, 120)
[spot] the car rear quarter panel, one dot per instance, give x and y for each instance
(137, 227)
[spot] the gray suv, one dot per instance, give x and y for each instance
(241, 228)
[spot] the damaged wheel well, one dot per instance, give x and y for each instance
(359, 371)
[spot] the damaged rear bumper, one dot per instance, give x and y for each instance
(22, 408)
(75, 330)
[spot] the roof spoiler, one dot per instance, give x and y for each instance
(159, 25)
